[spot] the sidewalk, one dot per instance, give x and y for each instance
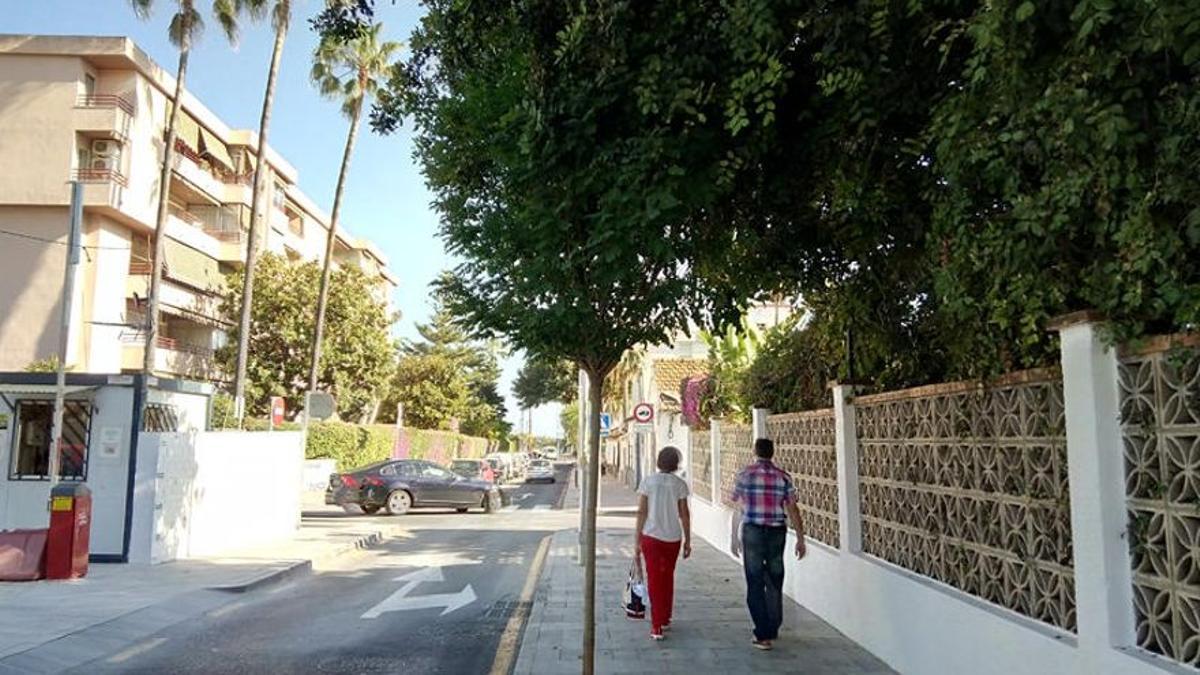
(51, 626)
(711, 630)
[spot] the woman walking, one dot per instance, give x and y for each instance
(663, 521)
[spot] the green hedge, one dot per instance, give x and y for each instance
(356, 445)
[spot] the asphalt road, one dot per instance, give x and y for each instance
(435, 599)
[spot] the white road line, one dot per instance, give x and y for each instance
(541, 507)
(135, 650)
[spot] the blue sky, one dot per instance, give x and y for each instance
(385, 199)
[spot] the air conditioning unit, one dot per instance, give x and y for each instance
(103, 164)
(105, 148)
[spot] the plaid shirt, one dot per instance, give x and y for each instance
(763, 490)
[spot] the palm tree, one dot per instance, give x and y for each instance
(186, 26)
(281, 18)
(350, 71)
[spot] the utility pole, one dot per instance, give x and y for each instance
(64, 331)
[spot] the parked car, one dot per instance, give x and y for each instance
(399, 485)
(474, 468)
(520, 462)
(540, 471)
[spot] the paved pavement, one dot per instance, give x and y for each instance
(437, 597)
(711, 628)
(48, 626)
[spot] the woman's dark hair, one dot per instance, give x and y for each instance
(764, 448)
(669, 458)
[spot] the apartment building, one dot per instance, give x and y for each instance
(94, 109)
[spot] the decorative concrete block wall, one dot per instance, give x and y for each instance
(1045, 522)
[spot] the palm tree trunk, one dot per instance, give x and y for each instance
(323, 295)
(160, 223)
(256, 213)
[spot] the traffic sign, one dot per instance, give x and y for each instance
(605, 424)
(643, 413)
(278, 406)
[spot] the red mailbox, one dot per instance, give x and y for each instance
(70, 526)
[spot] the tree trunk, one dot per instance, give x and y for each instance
(160, 225)
(323, 294)
(256, 213)
(592, 482)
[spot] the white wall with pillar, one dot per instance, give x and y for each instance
(922, 626)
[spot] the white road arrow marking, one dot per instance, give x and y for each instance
(400, 600)
(423, 574)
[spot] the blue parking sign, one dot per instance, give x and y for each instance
(605, 423)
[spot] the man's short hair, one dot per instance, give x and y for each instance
(669, 458)
(764, 448)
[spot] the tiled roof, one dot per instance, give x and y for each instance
(669, 374)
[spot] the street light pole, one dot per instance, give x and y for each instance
(64, 331)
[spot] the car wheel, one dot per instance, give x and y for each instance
(371, 510)
(461, 509)
(399, 502)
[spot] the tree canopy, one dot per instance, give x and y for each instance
(542, 380)
(360, 356)
(446, 377)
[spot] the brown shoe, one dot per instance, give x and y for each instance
(764, 645)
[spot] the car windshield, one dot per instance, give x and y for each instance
(540, 463)
(464, 465)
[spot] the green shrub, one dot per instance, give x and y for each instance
(356, 445)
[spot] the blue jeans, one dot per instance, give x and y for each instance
(762, 558)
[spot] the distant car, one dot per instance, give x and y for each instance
(500, 465)
(540, 471)
(474, 468)
(399, 485)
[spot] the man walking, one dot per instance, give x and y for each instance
(765, 500)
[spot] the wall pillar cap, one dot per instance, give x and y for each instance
(1083, 316)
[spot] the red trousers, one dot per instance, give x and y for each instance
(660, 579)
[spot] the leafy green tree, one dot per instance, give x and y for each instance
(1067, 159)
(542, 380)
(361, 354)
(571, 149)
(433, 388)
(730, 355)
(445, 376)
(281, 19)
(568, 419)
(350, 71)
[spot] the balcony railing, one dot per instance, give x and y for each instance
(105, 101)
(141, 268)
(100, 176)
(164, 342)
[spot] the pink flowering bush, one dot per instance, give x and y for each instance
(692, 394)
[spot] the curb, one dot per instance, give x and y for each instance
(295, 568)
(304, 567)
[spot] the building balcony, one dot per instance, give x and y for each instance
(224, 240)
(108, 115)
(101, 187)
(173, 358)
(220, 185)
(173, 298)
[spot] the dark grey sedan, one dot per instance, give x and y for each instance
(403, 484)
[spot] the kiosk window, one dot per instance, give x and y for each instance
(31, 440)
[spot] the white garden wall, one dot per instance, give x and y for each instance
(921, 626)
(209, 493)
